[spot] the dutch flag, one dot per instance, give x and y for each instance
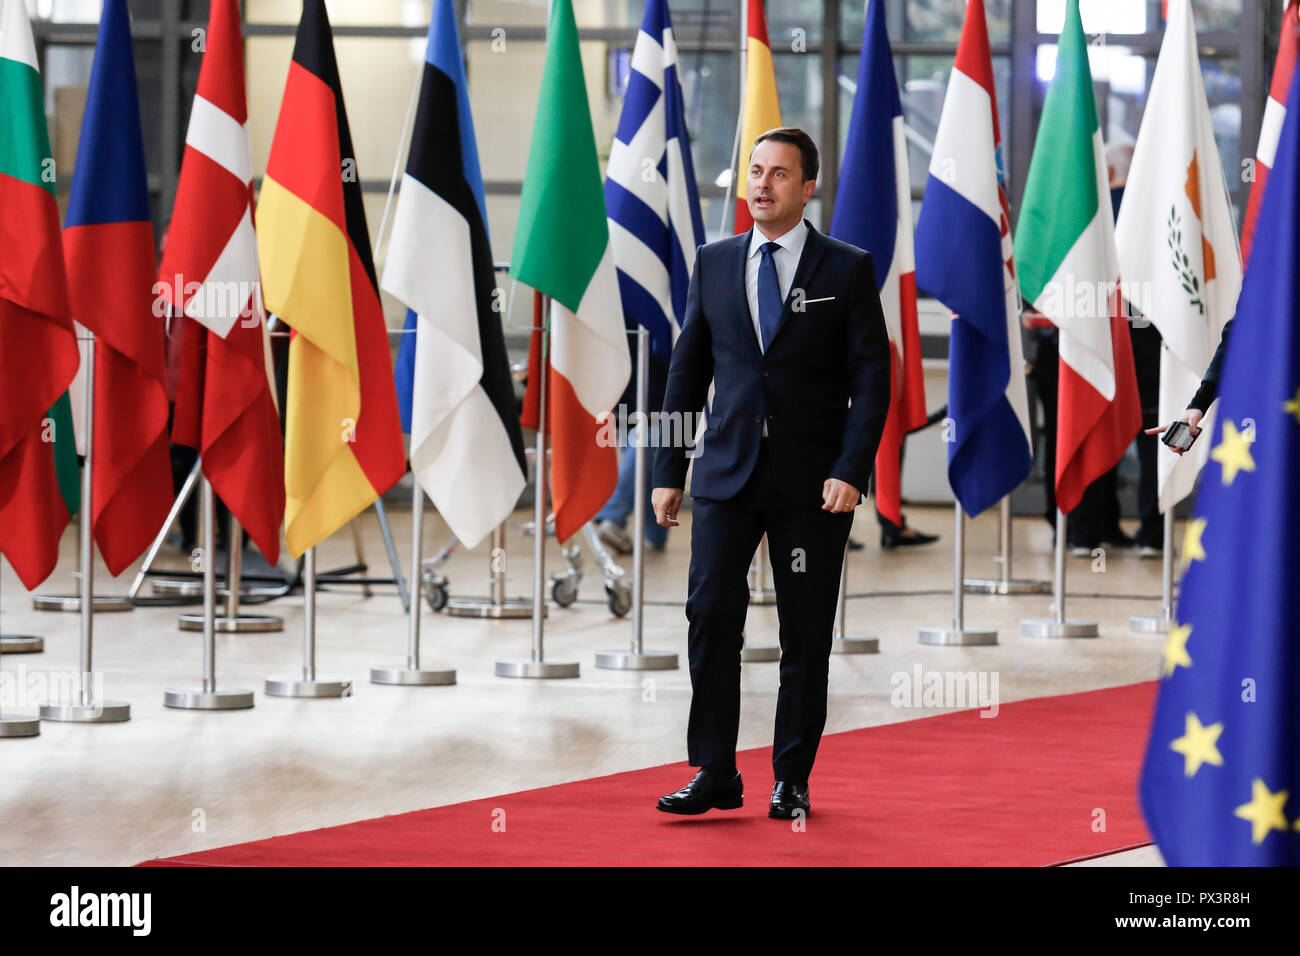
(964, 258)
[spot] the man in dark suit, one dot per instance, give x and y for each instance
(787, 323)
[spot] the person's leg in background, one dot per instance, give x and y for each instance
(1146, 358)
(1044, 376)
(611, 519)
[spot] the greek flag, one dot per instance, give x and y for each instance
(650, 193)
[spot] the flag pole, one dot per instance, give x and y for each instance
(840, 642)
(412, 674)
(959, 633)
(178, 505)
(21, 644)
(1057, 625)
(232, 621)
(537, 665)
(1159, 623)
(638, 658)
(1004, 583)
(308, 685)
(86, 709)
(19, 725)
(206, 696)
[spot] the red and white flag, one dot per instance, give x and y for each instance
(225, 402)
(1274, 114)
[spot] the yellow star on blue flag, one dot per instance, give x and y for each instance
(1224, 791)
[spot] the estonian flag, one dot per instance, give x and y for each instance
(467, 449)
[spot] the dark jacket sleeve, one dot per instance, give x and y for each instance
(866, 345)
(1209, 390)
(689, 373)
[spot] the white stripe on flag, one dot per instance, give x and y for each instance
(217, 135)
(1270, 132)
(230, 283)
(963, 147)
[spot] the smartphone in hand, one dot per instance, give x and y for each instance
(1178, 436)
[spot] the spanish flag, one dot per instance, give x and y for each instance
(343, 437)
(761, 109)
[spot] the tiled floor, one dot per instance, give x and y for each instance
(170, 781)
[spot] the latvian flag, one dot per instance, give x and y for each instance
(562, 250)
(467, 449)
(964, 259)
(108, 244)
(1274, 114)
(343, 438)
(1069, 271)
(38, 348)
(873, 211)
(225, 404)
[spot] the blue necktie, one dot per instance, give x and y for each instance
(770, 302)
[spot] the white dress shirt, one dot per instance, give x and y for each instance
(786, 260)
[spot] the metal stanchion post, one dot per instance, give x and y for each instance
(638, 658)
(207, 697)
(86, 709)
(160, 586)
(497, 605)
(308, 685)
(386, 533)
(841, 643)
(21, 644)
(232, 622)
(1159, 623)
(1004, 583)
(1057, 625)
(412, 673)
(959, 633)
(537, 665)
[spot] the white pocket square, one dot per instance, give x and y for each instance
(828, 298)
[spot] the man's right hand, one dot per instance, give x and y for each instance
(1192, 417)
(665, 502)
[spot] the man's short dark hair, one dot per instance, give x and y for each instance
(810, 160)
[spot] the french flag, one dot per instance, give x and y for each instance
(873, 211)
(964, 259)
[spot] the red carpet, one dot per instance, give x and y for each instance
(1025, 788)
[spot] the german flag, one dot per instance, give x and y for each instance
(343, 438)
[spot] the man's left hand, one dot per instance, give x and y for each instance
(839, 496)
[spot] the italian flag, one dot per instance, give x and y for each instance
(1069, 271)
(38, 348)
(562, 250)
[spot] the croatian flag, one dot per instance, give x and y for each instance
(873, 211)
(654, 220)
(452, 374)
(964, 258)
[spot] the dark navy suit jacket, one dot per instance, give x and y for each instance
(822, 385)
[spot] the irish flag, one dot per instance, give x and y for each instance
(38, 348)
(562, 250)
(1069, 271)
(761, 109)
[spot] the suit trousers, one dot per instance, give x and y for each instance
(806, 546)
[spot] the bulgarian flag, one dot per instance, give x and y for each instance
(1069, 271)
(38, 347)
(761, 109)
(343, 434)
(562, 250)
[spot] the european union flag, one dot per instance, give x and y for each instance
(1221, 782)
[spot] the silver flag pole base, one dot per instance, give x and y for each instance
(240, 624)
(21, 644)
(413, 676)
(72, 602)
(20, 725)
(508, 609)
(95, 712)
(855, 645)
(1148, 624)
(998, 586)
(538, 669)
(1049, 627)
(959, 636)
(304, 687)
(626, 660)
(196, 698)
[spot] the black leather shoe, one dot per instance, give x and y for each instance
(787, 798)
(707, 790)
(904, 538)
